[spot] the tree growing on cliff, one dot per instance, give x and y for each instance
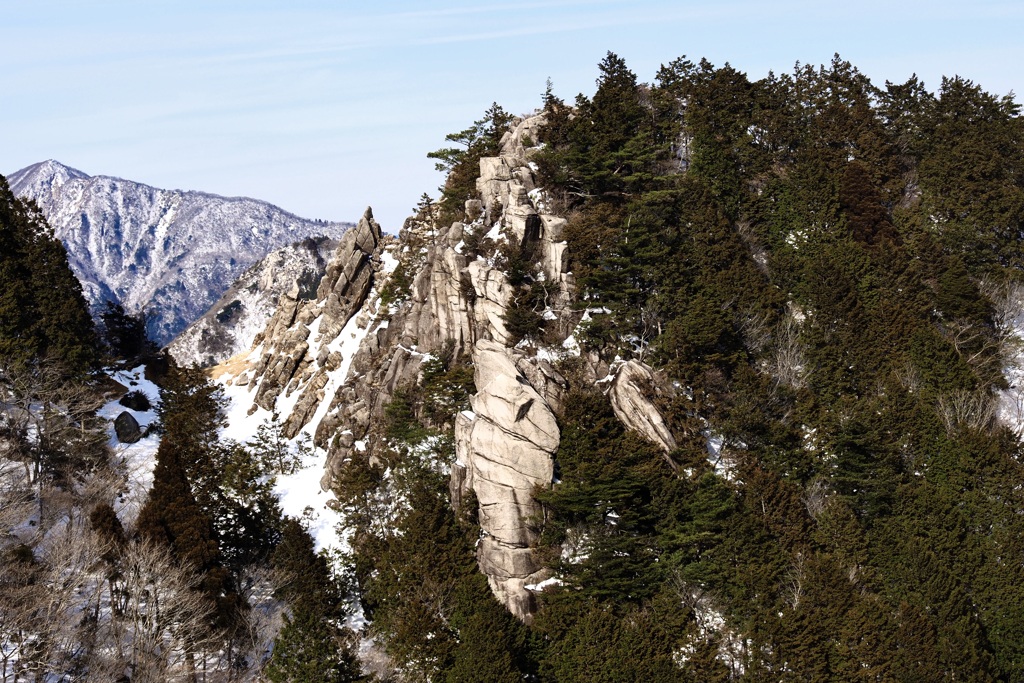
(462, 163)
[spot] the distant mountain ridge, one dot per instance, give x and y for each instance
(170, 252)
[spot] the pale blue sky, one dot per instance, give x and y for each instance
(326, 107)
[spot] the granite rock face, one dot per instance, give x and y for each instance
(231, 325)
(506, 447)
(292, 358)
(330, 364)
(630, 396)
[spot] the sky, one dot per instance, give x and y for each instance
(325, 107)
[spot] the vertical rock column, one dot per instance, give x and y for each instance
(286, 343)
(506, 449)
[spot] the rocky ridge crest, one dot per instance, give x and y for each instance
(330, 364)
(231, 325)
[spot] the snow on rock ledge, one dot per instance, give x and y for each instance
(293, 358)
(231, 325)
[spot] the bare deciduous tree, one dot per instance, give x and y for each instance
(788, 364)
(158, 621)
(816, 497)
(47, 422)
(1007, 299)
(967, 409)
(43, 620)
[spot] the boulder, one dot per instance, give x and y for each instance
(629, 394)
(136, 400)
(126, 427)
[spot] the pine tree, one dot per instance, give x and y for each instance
(124, 334)
(462, 164)
(312, 649)
(173, 517)
(306, 577)
(43, 313)
(492, 644)
(611, 149)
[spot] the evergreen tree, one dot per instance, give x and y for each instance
(125, 334)
(611, 148)
(492, 644)
(807, 261)
(43, 313)
(312, 649)
(312, 645)
(462, 164)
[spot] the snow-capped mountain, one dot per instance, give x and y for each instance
(170, 252)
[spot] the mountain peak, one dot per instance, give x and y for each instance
(44, 176)
(169, 252)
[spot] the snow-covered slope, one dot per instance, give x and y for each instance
(136, 460)
(232, 324)
(335, 334)
(167, 251)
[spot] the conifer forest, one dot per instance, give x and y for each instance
(819, 283)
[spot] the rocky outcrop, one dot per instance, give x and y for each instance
(630, 393)
(306, 364)
(297, 350)
(348, 278)
(506, 449)
(511, 197)
(231, 325)
(334, 362)
(492, 291)
(449, 307)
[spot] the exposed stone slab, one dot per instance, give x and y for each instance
(629, 399)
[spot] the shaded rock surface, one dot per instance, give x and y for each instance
(126, 427)
(231, 325)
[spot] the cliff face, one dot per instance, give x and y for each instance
(330, 364)
(231, 325)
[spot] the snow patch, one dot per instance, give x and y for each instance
(723, 465)
(1011, 400)
(136, 460)
(546, 583)
(495, 232)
